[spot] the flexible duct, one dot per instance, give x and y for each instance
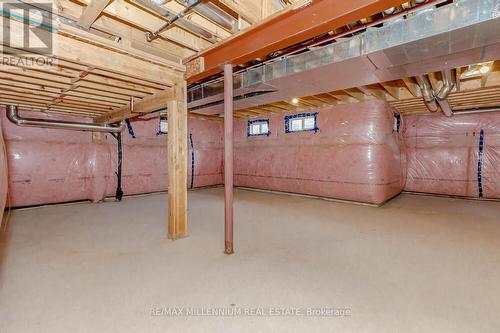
(444, 92)
(427, 93)
(445, 107)
(448, 85)
(14, 117)
(215, 14)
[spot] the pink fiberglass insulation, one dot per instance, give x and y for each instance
(53, 165)
(355, 155)
(444, 154)
(3, 175)
(145, 156)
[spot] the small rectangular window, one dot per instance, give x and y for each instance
(258, 127)
(163, 125)
(297, 125)
(309, 123)
(301, 122)
(397, 123)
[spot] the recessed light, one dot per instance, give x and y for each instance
(295, 100)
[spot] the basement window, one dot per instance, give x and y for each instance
(301, 122)
(397, 123)
(258, 127)
(163, 127)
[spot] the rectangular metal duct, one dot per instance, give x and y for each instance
(430, 32)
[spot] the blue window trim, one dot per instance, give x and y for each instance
(192, 159)
(159, 125)
(251, 122)
(480, 164)
(398, 122)
(302, 115)
(130, 129)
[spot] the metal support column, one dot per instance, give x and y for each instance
(228, 159)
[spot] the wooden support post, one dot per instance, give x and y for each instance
(177, 164)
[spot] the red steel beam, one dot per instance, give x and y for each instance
(291, 27)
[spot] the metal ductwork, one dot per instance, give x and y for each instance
(462, 32)
(427, 92)
(215, 14)
(150, 36)
(444, 92)
(12, 114)
(445, 107)
(441, 97)
(448, 85)
(181, 22)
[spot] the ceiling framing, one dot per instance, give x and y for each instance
(102, 58)
(128, 21)
(404, 95)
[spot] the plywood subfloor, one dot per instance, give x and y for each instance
(418, 264)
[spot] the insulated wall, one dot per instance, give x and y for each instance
(3, 175)
(457, 155)
(52, 165)
(354, 155)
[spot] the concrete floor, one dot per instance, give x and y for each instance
(417, 264)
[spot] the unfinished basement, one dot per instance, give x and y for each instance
(250, 166)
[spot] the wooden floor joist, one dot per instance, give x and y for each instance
(404, 95)
(91, 12)
(148, 104)
(100, 57)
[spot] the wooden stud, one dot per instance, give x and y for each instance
(146, 105)
(412, 86)
(376, 91)
(92, 12)
(267, 8)
(177, 164)
(99, 54)
(391, 89)
(249, 10)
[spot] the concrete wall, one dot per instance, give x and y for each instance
(48, 166)
(355, 155)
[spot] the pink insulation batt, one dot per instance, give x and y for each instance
(53, 165)
(3, 174)
(355, 155)
(443, 153)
